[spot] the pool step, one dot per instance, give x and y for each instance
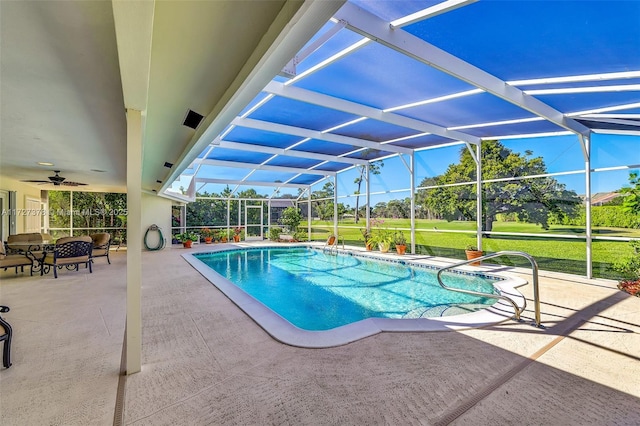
(444, 310)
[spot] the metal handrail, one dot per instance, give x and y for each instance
(334, 245)
(534, 273)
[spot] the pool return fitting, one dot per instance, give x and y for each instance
(161, 240)
(534, 273)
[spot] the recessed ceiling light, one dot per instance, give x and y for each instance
(45, 163)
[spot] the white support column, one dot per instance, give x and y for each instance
(228, 216)
(269, 216)
(479, 195)
(368, 198)
(71, 213)
(586, 148)
(309, 214)
(183, 218)
(45, 217)
(335, 205)
(134, 242)
(413, 203)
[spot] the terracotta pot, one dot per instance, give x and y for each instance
(208, 240)
(473, 254)
(187, 244)
(236, 238)
(401, 249)
(369, 247)
(223, 240)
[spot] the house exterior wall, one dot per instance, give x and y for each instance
(23, 192)
(156, 211)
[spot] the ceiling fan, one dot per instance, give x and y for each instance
(56, 180)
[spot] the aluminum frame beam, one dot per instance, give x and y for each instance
(369, 25)
(430, 12)
(249, 183)
(326, 101)
(314, 134)
(254, 166)
(286, 152)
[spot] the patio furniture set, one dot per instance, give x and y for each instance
(41, 253)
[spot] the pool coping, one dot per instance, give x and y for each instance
(285, 332)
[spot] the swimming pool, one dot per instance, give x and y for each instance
(317, 292)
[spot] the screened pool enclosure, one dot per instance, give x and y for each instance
(503, 125)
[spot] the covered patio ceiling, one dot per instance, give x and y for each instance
(386, 78)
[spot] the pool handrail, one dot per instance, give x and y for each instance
(534, 273)
(334, 245)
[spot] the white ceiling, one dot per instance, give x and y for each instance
(61, 97)
(61, 83)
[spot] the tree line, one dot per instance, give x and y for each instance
(509, 194)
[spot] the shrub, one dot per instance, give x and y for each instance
(629, 267)
(291, 219)
(274, 233)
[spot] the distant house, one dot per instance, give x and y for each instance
(603, 198)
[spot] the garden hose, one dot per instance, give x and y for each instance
(161, 242)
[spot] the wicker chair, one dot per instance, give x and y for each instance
(69, 252)
(101, 243)
(5, 335)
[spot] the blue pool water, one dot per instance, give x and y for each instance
(318, 291)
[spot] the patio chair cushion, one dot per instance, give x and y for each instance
(101, 243)
(49, 259)
(33, 238)
(12, 260)
(25, 238)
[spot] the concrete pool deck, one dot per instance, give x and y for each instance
(205, 362)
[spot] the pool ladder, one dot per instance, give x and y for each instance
(518, 311)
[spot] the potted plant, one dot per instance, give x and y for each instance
(400, 242)
(187, 238)
(236, 233)
(366, 236)
(207, 234)
(224, 235)
(472, 252)
(381, 236)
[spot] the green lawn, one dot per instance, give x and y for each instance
(433, 237)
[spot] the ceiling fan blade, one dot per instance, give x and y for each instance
(72, 183)
(36, 181)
